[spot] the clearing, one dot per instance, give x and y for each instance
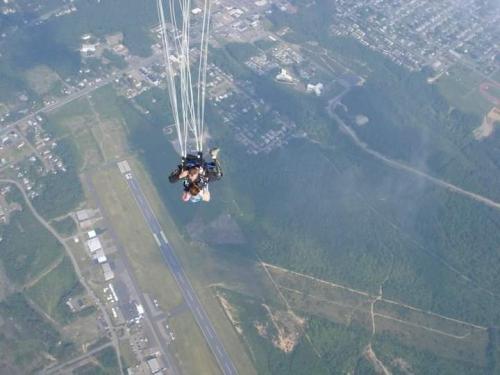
(488, 125)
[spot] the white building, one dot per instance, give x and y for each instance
(88, 48)
(317, 89)
(100, 256)
(94, 244)
(284, 76)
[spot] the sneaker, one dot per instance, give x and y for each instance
(214, 152)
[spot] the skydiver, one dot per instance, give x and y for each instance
(195, 174)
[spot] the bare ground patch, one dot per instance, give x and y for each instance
(230, 312)
(288, 328)
(487, 127)
(42, 79)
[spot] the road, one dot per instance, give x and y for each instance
(134, 64)
(399, 165)
(224, 361)
(83, 281)
(75, 361)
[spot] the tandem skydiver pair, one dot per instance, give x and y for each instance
(195, 174)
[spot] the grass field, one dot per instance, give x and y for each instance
(70, 119)
(41, 79)
(23, 261)
(190, 348)
(134, 235)
(52, 290)
(461, 88)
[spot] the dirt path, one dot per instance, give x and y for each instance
(401, 166)
(377, 364)
(82, 280)
(367, 296)
(49, 269)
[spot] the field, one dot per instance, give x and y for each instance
(461, 88)
(190, 349)
(22, 261)
(52, 291)
(135, 237)
(441, 335)
(41, 79)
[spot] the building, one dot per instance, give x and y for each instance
(100, 256)
(317, 89)
(154, 365)
(91, 234)
(108, 272)
(94, 244)
(284, 76)
(88, 48)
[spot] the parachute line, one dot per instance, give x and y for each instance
(187, 102)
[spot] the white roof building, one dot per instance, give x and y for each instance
(87, 47)
(100, 256)
(284, 76)
(91, 234)
(94, 244)
(317, 89)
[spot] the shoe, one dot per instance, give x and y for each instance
(214, 152)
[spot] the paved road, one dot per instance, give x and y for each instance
(201, 317)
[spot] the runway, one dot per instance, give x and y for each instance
(190, 297)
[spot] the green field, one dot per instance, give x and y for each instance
(22, 260)
(52, 291)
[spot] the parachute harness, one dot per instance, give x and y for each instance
(187, 99)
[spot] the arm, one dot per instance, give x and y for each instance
(179, 174)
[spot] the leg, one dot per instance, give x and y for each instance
(214, 170)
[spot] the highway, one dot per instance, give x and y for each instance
(224, 361)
